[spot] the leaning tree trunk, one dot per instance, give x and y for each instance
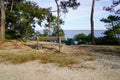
(58, 25)
(92, 22)
(2, 28)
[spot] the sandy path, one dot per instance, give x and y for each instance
(105, 67)
(100, 69)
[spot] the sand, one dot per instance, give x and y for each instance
(99, 69)
(104, 67)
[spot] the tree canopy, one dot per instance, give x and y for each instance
(111, 8)
(21, 17)
(112, 34)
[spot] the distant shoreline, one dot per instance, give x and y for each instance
(72, 33)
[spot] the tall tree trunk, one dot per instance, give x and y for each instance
(49, 25)
(92, 22)
(58, 25)
(114, 32)
(2, 29)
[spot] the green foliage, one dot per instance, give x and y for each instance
(62, 32)
(69, 41)
(45, 32)
(55, 32)
(88, 39)
(51, 24)
(112, 8)
(69, 4)
(112, 34)
(80, 38)
(110, 37)
(21, 20)
(111, 20)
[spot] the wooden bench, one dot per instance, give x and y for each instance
(53, 39)
(50, 38)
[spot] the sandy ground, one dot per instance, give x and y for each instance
(105, 67)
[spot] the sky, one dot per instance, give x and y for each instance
(79, 19)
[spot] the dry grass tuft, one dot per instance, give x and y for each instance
(108, 50)
(61, 59)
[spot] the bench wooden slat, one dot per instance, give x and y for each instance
(50, 38)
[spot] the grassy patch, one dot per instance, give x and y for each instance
(108, 50)
(61, 59)
(18, 57)
(105, 49)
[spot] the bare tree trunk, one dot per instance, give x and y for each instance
(114, 32)
(58, 25)
(12, 6)
(92, 22)
(49, 27)
(2, 29)
(37, 43)
(26, 32)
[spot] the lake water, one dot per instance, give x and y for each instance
(72, 33)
